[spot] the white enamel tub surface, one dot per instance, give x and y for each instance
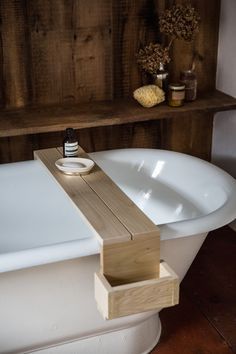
(39, 224)
(182, 194)
(48, 254)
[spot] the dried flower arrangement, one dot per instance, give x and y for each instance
(152, 56)
(178, 22)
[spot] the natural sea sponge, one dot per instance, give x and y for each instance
(149, 95)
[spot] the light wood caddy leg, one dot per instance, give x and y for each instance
(131, 261)
(131, 277)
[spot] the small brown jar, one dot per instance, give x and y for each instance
(176, 95)
(188, 78)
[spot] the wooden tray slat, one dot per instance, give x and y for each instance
(103, 221)
(136, 222)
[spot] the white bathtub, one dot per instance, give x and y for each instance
(48, 254)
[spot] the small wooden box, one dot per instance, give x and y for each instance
(128, 299)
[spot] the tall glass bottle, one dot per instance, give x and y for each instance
(161, 79)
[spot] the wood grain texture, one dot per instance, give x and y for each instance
(17, 148)
(105, 225)
(198, 140)
(137, 297)
(56, 51)
(67, 52)
(15, 83)
(131, 261)
(204, 46)
(134, 24)
(73, 51)
(97, 114)
(143, 134)
(193, 135)
(134, 220)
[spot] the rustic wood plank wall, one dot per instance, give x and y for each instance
(194, 135)
(78, 51)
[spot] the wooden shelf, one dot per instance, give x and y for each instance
(33, 120)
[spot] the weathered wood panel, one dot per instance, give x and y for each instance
(190, 135)
(204, 46)
(55, 51)
(15, 83)
(70, 49)
(80, 51)
(147, 135)
(194, 135)
(135, 25)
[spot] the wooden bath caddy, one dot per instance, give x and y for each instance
(131, 278)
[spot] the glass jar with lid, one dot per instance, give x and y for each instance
(176, 95)
(189, 79)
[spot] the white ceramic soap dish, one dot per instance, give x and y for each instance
(74, 165)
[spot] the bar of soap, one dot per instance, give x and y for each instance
(149, 95)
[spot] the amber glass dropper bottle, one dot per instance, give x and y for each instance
(70, 144)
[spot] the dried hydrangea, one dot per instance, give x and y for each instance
(180, 21)
(150, 57)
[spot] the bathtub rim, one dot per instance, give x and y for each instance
(84, 247)
(215, 219)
